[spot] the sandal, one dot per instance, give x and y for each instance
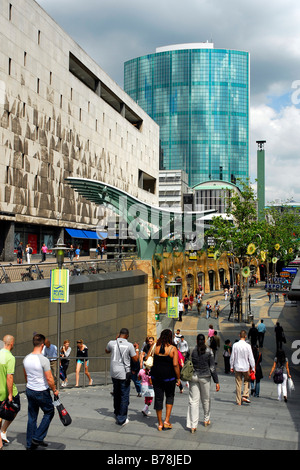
(193, 430)
(167, 425)
(160, 428)
(206, 423)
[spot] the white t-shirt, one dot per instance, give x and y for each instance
(35, 365)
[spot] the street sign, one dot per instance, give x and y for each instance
(290, 270)
(59, 286)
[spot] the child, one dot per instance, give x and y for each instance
(147, 389)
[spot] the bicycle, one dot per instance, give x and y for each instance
(5, 277)
(29, 275)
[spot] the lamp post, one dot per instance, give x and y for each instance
(60, 250)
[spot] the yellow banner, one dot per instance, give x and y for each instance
(59, 286)
(172, 306)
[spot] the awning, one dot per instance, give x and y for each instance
(87, 234)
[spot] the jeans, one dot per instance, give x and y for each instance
(135, 380)
(36, 401)
(121, 399)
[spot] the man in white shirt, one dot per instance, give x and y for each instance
(241, 361)
(183, 346)
(39, 381)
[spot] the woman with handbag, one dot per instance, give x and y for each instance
(165, 376)
(281, 363)
(199, 386)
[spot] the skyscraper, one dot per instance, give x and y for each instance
(199, 96)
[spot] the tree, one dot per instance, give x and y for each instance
(239, 235)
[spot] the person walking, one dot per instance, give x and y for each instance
(28, 253)
(253, 335)
(8, 389)
(183, 346)
(199, 386)
(186, 304)
(217, 309)
(82, 359)
(241, 360)
(20, 253)
(208, 309)
(279, 336)
(165, 375)
(226, 355)
(198, 300)
(261, 328)
(122, 351)
(44, 251)
(65, 352)
(39, 381)
(50, 351)
(135, 368)
(231, 302)
(180, 310)
(281, 362)
(147, 389)
(255, 384)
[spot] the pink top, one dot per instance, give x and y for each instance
(211, 332)
(145, 378)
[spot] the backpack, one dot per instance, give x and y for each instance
(278, 375)
(187, 371)
(30, 251)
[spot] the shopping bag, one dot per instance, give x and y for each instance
(290, 384)
(62, 412)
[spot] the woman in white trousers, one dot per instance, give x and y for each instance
(199, 387)
(281, 361)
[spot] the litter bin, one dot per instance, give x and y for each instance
(93, 253)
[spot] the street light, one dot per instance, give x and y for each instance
(59, 250)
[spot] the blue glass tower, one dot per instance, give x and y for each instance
(199, 96)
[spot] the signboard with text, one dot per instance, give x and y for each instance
(59, 286)
(172, 307)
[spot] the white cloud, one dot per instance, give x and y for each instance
(118, 30)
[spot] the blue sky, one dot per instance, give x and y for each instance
(114, 31)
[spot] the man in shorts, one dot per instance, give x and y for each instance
(8, 389)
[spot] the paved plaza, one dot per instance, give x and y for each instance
(265, 424)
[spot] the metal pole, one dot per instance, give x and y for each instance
(58, 342)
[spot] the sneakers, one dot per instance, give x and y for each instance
(4, 438)
(125, 422)
(146, 411)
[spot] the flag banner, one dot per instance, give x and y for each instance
(172, 306)
(59, 286)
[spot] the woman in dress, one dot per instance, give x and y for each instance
(165, 376)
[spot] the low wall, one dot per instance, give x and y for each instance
(100, 305)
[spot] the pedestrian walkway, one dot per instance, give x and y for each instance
(265, 424)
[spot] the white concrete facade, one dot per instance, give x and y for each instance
(52, 125)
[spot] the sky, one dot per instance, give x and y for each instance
(112, 32)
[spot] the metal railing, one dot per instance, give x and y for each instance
(99, 377)
(28, 272)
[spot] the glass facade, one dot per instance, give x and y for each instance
(200, 100)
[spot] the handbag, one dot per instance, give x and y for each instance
(8, 410)
(187, 371)
(149, 362)
(62, 412)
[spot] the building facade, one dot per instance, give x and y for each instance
(173, 184)
(199, 96)
(61, 115)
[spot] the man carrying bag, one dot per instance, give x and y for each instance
(120, 369)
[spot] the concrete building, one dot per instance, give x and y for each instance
(61, 115)
(199, 96)
(173, 184)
